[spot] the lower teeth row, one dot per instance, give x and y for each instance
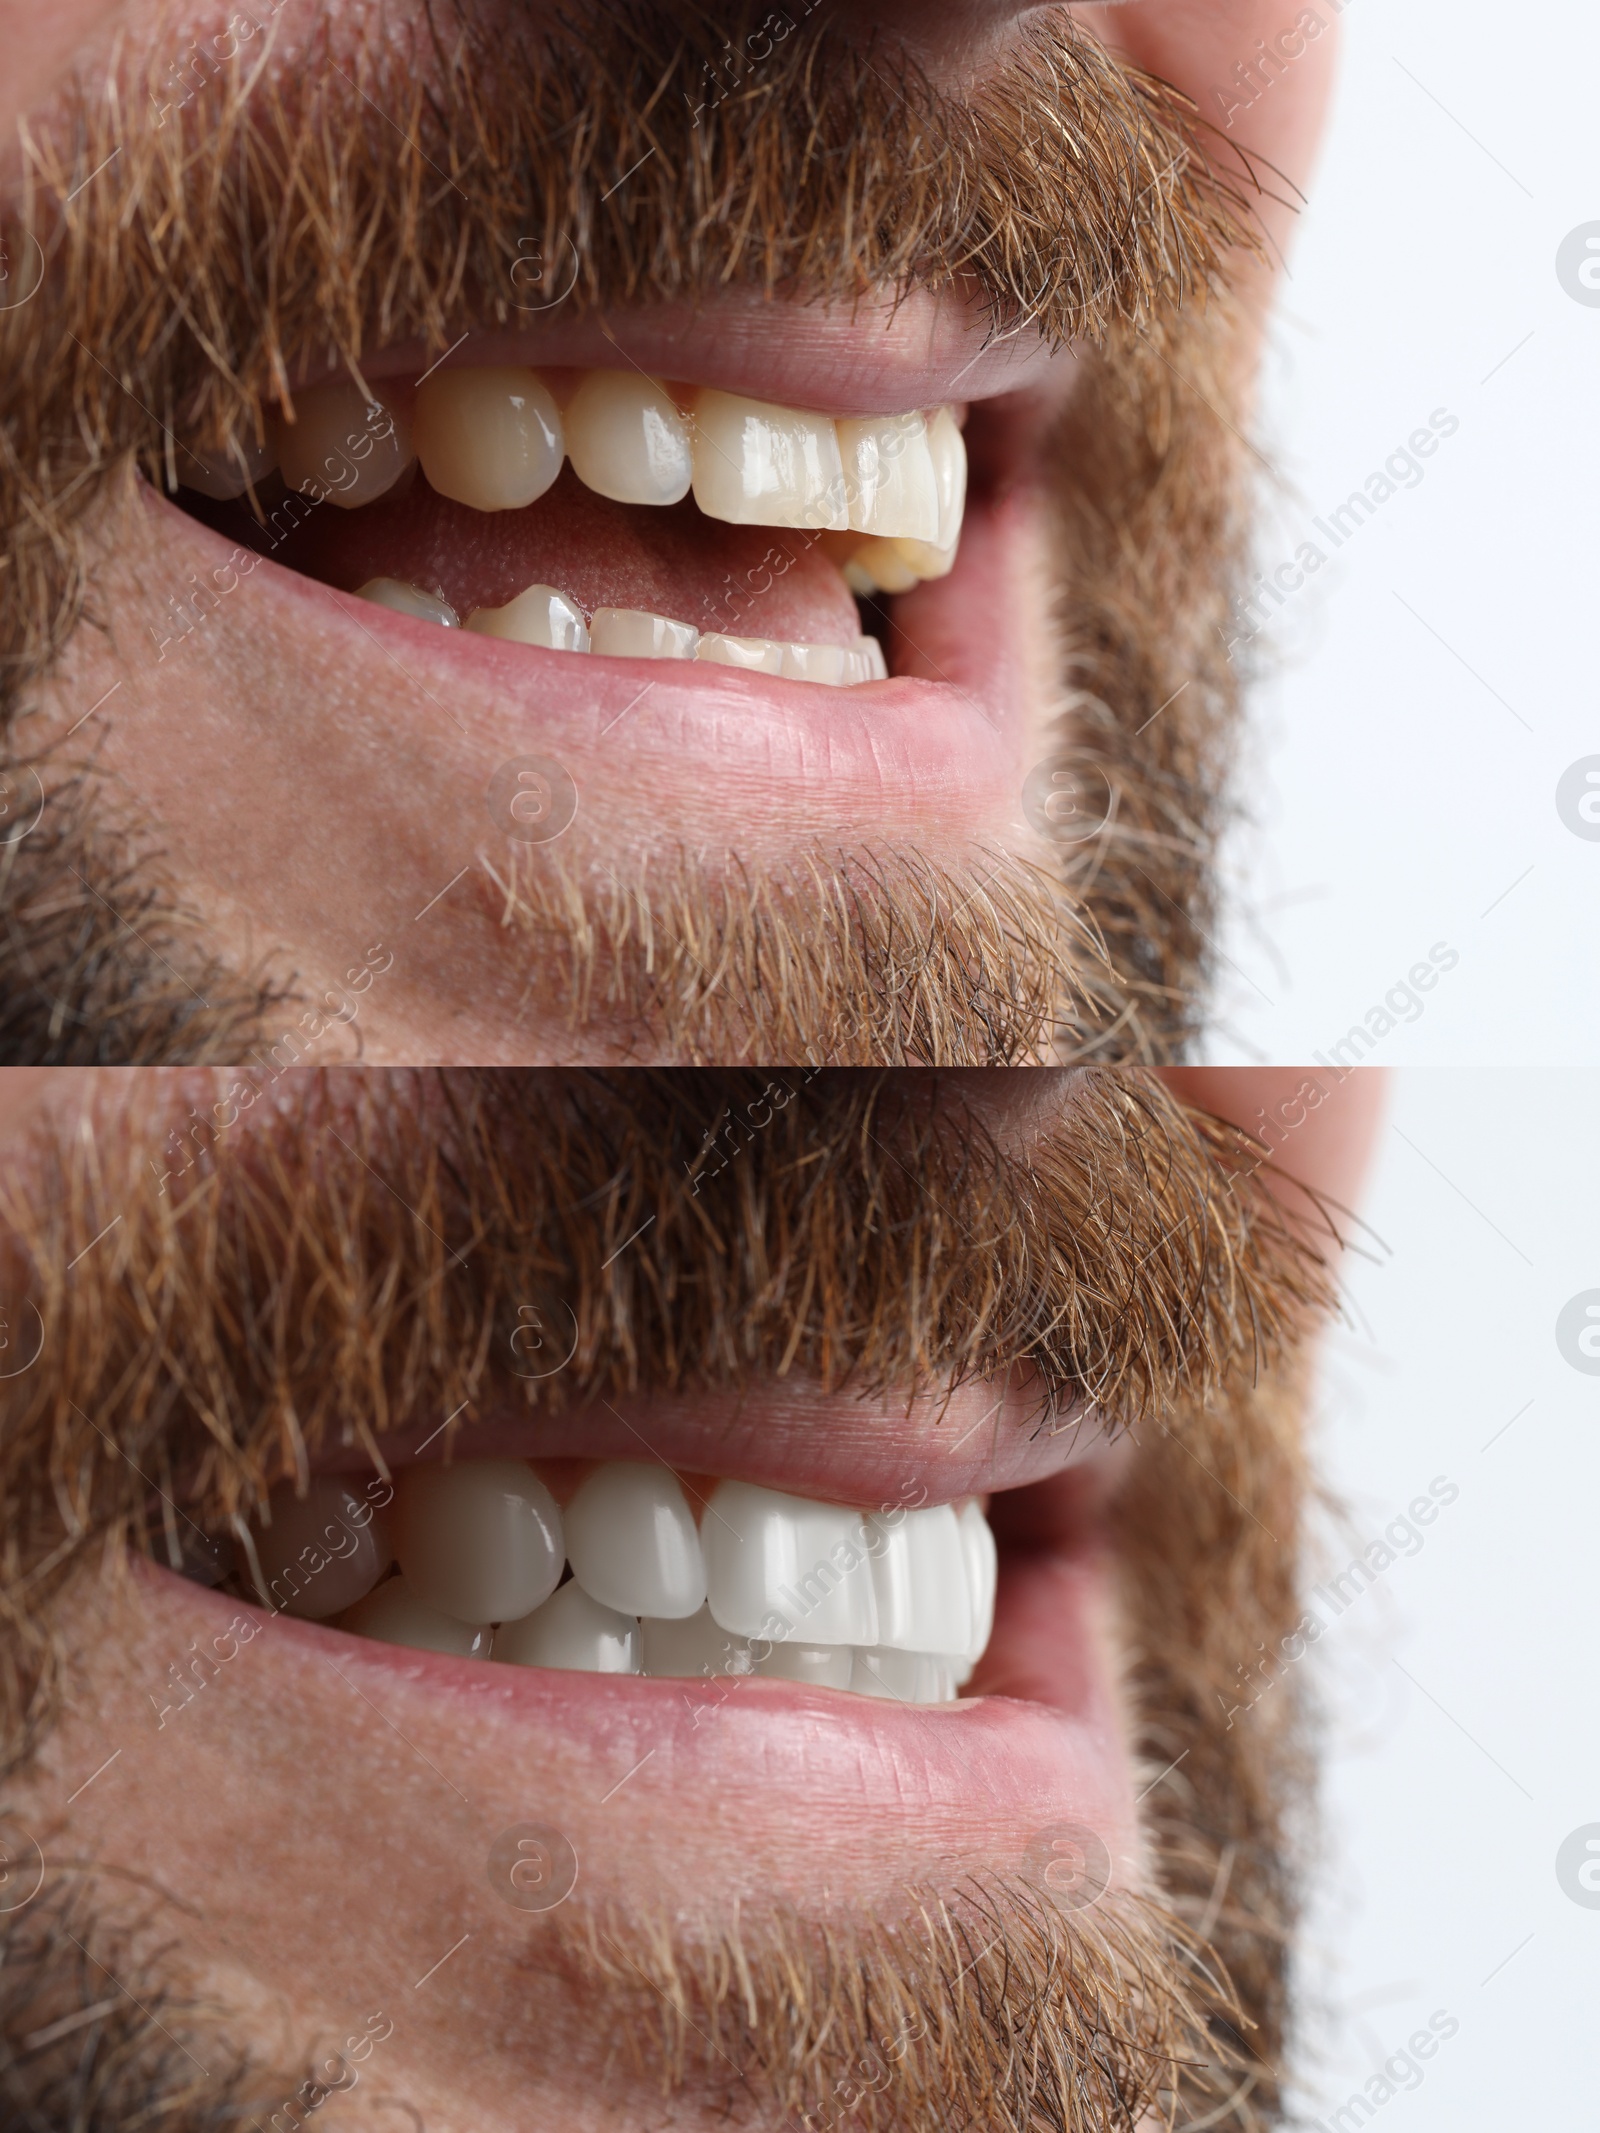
(545, 618)
(470, 1560)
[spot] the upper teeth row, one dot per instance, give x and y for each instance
(495, 438)
(896, 1602)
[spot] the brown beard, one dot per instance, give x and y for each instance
(267, 1289)
(1072, 192)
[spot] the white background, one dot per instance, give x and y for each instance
(1449, 1793)
(1402, 765)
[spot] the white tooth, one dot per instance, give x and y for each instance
(409, 600)
(632, 1543)
(948, 449)
(491, 438)
(695, 1647)
(322, 1551)
(890, 477)
(870, 651)
(481, 1541)
(770, 1555)
(921, 560)
(819, 1666)
(760, 465)
(761, 655)
(903, 1677)
(574, 1631)
(539, 615)
(342, 447)
(830, 664)
(392, 1614)
(860, 580)
(884, 566)
(634, 633)
(919, 1571)
(228, 473)
(627, 441)
(977, 1541)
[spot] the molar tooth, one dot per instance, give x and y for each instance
(574, 1631)
(819, 1666)
(481, 1541)
(760, 465)
(539, 615)
(343, 447)
(322, 1552)
(771, 1554)
(393, 1614)
(903, 1677)
(409, 600)
(491, 438)
(919, 1572)
(761, 655)
(627, 440)
(634, 633)
(632, 1543)
(227, 473)
(696, 1647)
(891, 478)
(977, 1541)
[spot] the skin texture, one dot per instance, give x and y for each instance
(315, 773)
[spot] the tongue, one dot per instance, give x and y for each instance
(749, 581)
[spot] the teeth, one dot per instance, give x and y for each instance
(574, 1631)
(761, 655)
(539, 616)
(891, 478)
(410, 600)
(632, 1542)
(226, 474)
(760, 465)
(491, 438)
(632, 633)
(627, 439)
(481, 1541)
(818, 1666)
(342, 447)
(393, 1614)
(769, 1554)
(948, 450)
(697, 1646)
(977, 1542)
(321, 1553)
(904, 1677)
(920, 1577)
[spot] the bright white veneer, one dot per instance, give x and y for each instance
(632, 1543)
(491, 437)
(393, 1614)
(574, 1631)
(481, 1541)
(322, 1550)
(768, 1553)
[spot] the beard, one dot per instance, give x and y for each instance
(1035, 198)
(278, 1285)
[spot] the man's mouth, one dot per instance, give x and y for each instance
(604, 511)
(624, 1569)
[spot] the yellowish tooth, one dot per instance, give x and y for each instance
(491, 438)
(409, 600)
(761, 655)
(633, 633)
(627, 440)
(886, 567)
(540, 616)
(227, 473)
(860, 580)
(343, 448)
(760, 465)
(827, 663)
(948, 450)
(890, 478)
(922, 560)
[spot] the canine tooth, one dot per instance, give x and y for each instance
(819, 1666)
(626, 440)
(393, 1614)
(322, 1552)
(227, 473)
(919, 1572)
(761, 655)
(572, 1630)
(903, 1677)
(948, 450)
(884, 567)
(409, 600)
(343, 448)
(632, 1543)
(760, 465)
(890, 477)
(634, 633)
(491, 437)
(769, 1554)
(977, 1541)
(697, 1646)
(481, 1541)
(539, 615)
(830, 664)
